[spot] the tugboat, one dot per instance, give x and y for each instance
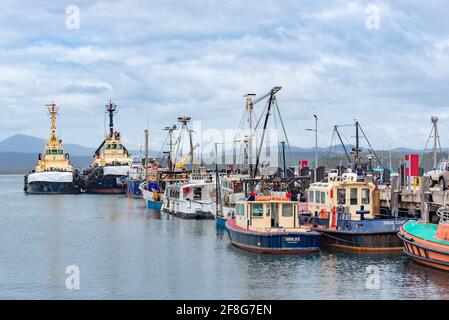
(269, 224)
(428, 243)
(54, 174)
(109, 169)
(347, 214)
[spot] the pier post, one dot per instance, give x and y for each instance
(394, 194)
(425, 198)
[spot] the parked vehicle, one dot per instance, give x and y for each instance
(439, 175)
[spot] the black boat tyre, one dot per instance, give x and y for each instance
(98, 174)
(76, 176)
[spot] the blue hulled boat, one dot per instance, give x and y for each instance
(270, 225)
(151, 195)
(346, 213)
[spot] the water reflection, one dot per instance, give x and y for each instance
(127, 251)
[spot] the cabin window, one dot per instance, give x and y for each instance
(60, 151)
(287, 210)
(196, 193)
(341, 196)
(119, 146)
(365, 196)
(317, 197)
(240, 210)
(114, 146)
(53, 151)
(323, 197)
(47, 152)
(311, 194)
(257, 210)
(354, 196)
(108, 147)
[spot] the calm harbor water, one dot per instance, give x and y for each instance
(125, 251)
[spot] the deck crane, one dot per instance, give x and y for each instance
(181, 163)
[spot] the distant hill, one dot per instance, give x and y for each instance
(21, 143)
(19, 153)
(15, 162)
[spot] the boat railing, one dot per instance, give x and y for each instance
(443, 213)
(208, 177)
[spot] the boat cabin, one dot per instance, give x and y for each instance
(267, 212)
(344, 194)
(113, 153)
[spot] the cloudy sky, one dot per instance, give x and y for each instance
(160, 59)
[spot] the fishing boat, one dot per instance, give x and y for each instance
(151, 196)
(345, 211)
(191, 199)
(111, 162)
(428, 243)
(136, 176)
(53, 174)
(269, 224)
(228, 191)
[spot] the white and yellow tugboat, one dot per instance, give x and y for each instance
(111, 163)
(53, 174)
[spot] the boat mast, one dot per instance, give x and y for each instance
(249, 110)
(170, 130)
(111, 109)
(53, 111)
(356, 143)
(146, 158)
(184, 121)
(218, 204)
(271, 95)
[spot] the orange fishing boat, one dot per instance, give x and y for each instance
(428, 243)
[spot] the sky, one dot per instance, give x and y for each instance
(383, 63)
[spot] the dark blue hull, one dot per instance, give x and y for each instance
(371, 235)
(221, 221)
(51, 188)
(110, 184)
(300, 242)
(132, 188)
